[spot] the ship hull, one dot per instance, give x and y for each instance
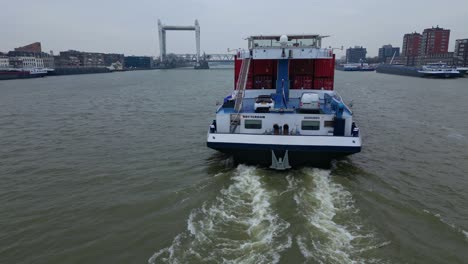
(355, 69)
(263, 157)
(462, 71)
(9, 75)
(442, 75)
(399, 70)
(312, 150)
(19, 76)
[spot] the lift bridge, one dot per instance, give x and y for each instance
(181, 60)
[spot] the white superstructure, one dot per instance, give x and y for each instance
(4, 62)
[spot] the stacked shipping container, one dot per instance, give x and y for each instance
(303, 73)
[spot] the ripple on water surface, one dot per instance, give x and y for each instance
(244, 224)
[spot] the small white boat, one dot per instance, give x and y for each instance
(362, 66)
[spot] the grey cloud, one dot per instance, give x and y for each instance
(130, 27)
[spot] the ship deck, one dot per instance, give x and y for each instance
(248, 108)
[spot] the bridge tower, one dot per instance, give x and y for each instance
(162, 37)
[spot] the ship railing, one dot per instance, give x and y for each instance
(292, 134)
(243, 54)
(318, 53)
(334, 101)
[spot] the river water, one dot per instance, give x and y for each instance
(114, 168)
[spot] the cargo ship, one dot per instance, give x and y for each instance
(435, 70)
(399, 69)
(283, 111)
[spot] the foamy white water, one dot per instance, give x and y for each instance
(319, 201)
(239, 227)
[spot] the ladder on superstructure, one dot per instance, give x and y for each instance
(240, 87)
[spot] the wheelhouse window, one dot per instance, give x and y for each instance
(310, 125)
(252, 124)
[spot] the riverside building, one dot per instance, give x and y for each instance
(461, 52)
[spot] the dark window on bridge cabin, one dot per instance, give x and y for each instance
(329, 124)
(276, 129)
(310, 125)
(253, 124)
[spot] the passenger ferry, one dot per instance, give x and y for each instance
(283, 111)
(439, 70)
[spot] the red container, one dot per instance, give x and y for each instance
(249, 84)
(301, 67)
(237, 68)
(262, 82)
(297, 82)
(318, 83)
(307, 82)
(324, 68)
(302, 82)
(328, 84)
(263, 67)
(325, 83)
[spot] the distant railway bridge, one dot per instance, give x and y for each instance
(206, 57)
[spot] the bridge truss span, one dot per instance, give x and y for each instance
(207, 57)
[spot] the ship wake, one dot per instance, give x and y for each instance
(333, 231)
(240, 226)
(246, 223)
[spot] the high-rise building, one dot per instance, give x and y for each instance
(356, 54)
(388, 51)
(461, 52)
(434, 41)
(411, 44)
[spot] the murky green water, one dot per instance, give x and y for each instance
(113, 168)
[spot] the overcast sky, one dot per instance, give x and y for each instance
(130, 27)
